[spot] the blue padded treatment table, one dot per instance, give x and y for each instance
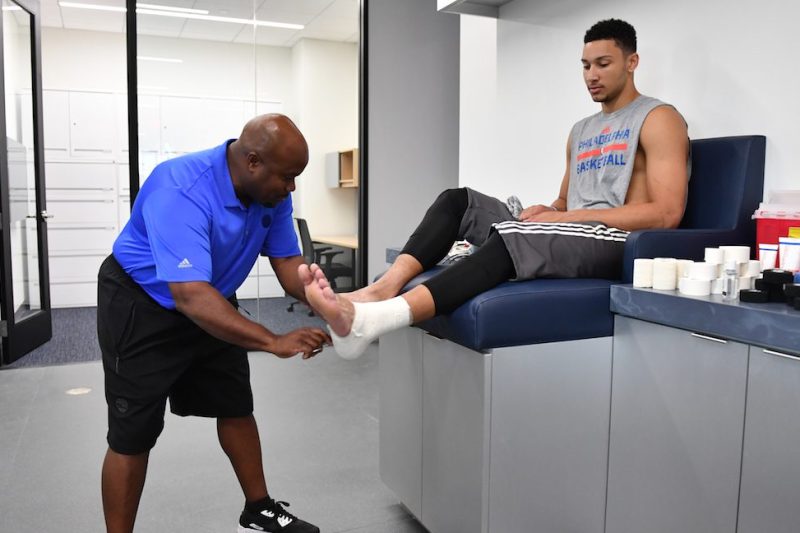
(527, 312)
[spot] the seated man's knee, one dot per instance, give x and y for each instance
(455, 199)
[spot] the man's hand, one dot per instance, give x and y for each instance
(207, 308)
(529, 214)
(306, 341)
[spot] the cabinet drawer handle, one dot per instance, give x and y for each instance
(721, 341)
(785, 355)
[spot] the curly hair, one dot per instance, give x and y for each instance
(623, 34)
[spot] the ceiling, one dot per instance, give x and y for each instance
(331, 20)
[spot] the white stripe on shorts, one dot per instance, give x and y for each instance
(554, 228)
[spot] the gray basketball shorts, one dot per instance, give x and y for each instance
(546, 249)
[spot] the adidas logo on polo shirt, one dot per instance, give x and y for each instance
(185, 264)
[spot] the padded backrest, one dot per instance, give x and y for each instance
(727, 183)
(305, 240)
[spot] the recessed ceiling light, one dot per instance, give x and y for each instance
(162, 12)
(212, 18)
(92, 6)
(171, 8)
(162, 59)
(78, 391)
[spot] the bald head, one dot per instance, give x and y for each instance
(274, 135)
(266, 158)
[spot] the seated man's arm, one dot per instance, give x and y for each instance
(559, 204)
(207, 308)
(665, 144)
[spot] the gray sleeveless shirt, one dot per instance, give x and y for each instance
(603, 148)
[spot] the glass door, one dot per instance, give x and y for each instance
(25, 295)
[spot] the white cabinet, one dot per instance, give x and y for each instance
(261, 282)
(55, 115)
(191, 124)
(93, 130)
(80, 176)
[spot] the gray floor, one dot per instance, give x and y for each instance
(319, 429)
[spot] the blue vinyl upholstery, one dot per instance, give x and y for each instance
(724, 191)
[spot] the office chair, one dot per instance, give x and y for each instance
(323, 256)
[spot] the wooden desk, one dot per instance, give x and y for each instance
(345, 241)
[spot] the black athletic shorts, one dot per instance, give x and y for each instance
(150, 354)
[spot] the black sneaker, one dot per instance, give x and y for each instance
(273, 518)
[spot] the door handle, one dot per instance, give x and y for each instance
(44, 216)
(784, 355)
(706, 337)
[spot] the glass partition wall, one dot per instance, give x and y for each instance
(24, 288)
(204, 68)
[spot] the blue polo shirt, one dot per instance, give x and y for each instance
(188, 225)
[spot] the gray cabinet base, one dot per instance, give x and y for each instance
(500, 442)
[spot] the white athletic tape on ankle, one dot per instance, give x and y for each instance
(370, 321)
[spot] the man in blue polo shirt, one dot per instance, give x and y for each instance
(167, 316)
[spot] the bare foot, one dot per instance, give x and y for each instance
(337, 312)
(367, 294)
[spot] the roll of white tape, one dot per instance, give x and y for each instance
(753, 268)
(683, 267)
(743, 267)
(716, 286)
(740, 254)
(665, 273)
(643, 273)
(714, 255)
(745, 282)
(703, 271)
(694, 287)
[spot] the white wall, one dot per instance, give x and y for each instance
(96, 61)
(325, 78)
(478, 134)
(728, 67)
(412, 117)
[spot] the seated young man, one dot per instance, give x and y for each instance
(627, 169)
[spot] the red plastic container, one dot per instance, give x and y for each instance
(768, 230)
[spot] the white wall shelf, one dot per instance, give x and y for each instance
(484, 8)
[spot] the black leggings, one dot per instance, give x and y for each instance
(489, 266)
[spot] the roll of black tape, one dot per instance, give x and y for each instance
(791, 290)
(776, 294)
(753, 296)
(777, 276)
